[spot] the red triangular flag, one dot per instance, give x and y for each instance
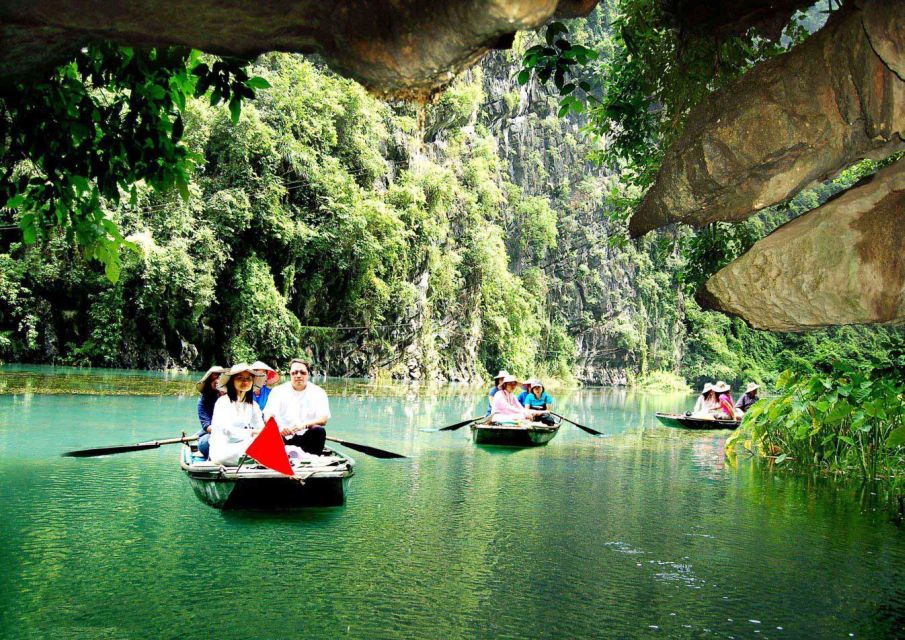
(270, 450)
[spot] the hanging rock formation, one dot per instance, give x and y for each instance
(398, 48)
(404, 49)
(789, 122)
(842, 263)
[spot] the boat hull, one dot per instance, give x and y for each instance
(687, 422)
(254, 487)
(513, 436)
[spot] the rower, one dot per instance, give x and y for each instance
(744, 403)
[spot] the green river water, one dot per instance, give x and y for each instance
(647, 533)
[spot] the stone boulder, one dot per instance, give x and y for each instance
(842, 263)
(788, 123)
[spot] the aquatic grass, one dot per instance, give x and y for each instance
(847, 422)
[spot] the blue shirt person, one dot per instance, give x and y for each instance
(210, 393)
(539, 399)
(272, 377)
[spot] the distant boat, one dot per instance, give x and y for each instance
(534, 434)
(322, 483)
(687, 422)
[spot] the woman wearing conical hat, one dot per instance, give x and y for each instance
(237, 417)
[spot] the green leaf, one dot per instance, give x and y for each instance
(257, 82)
(235, 109)
(178, 99)
(523, 76)
(183, 188)
(554, 30)
(896, 438)
(156, 92)
(15, 202)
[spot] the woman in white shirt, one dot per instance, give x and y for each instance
(237, 417)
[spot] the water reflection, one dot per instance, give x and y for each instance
(644, 533)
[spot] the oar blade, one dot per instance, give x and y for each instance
(371, 451)
(109, 451)
(458, 425)
(589, 430)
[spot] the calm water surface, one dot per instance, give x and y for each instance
(645, 533)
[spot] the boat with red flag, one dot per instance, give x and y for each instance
(316, 481)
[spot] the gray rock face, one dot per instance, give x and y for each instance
(842, 263)
(791, 121)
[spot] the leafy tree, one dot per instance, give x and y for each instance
(89, 131)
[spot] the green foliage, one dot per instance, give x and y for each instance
(85, 134)
(558, 59)
(849, 419)
(260, 324)
(661, 381)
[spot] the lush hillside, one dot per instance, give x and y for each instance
(433, 242)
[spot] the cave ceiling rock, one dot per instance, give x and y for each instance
(791, 121)
(843, 261)
(399, 48)
(395, 48)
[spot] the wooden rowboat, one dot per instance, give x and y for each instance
(322, 482)
(532, 434)
(687, 422)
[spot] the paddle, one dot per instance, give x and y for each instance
(371, 451)
(125, 448)
(580, 426)
(453, 427)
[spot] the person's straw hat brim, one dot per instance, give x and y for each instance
(533, 384)
(273, 376)
(200, 384)
(721, 386)
(707, 387)
(752, 387)
(239, 368)
(509, 378)
(502, 374)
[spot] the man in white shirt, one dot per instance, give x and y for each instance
(301, 409)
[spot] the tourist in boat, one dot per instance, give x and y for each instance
(210, 393)
(708, 405)
(237, 417)
(272, 378)
(744, 403)
(301, 409)
(526, 389)
(506, 407)
(539, 400)
(726, 409)
(493, 390)
(706, 401)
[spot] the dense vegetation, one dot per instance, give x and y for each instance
(441, 241)
(843, 420)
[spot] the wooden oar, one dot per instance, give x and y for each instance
(126, 448)
(371, 451)
(458, 425)
(580, 426)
